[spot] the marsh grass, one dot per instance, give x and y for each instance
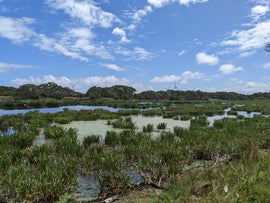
(89, 140)
(123, 123)
(162, 126)
(44, 173)
(148, 128)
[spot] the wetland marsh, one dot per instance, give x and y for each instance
(87, 155)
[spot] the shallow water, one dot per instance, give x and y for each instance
(225, 115)
(40, 139)
(100, 127)
(248, 115)
(87, 128)
(56, 109)
(141, 121)
(87, 189)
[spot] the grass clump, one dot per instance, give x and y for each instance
(123, 123)
(162, 126)
(148, 128)
(89, 140)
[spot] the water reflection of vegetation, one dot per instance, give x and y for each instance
(45, 173)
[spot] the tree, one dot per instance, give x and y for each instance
(28, 91)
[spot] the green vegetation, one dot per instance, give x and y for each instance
(53, 95)
(162, 126)
(148, 128)
(123, 123)
(227, 161)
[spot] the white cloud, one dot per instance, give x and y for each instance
(257, 86)
(183, 78)
(4, 67)
(258, 11)
(112, 67)
(187, 2)
(81, 83)
(266, 66)
(137, 54)
(139, 14)
(131, 27)
(165, 79)
(16, 29)
(104, 81)
(52, 45)
(247, 54)
(251, 85)
(75, 42)
(182, 52)
(161, 3)
(203, 58)
(85, 11)
(227, 69)
(253, 38)
(122, 33)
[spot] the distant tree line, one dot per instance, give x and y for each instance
(119, 92)
(30, 91)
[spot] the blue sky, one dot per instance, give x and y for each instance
(209, 45)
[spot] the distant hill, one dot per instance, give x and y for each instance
(120, 92)
(48, 90)
(114, 92)
(7, 91)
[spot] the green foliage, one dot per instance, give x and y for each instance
(114, 92)
(199, 121)
(111, 138)
(148, 128)
(89, 140)
(162, 126)
(123, 123)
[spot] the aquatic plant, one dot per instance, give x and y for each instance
(89, 140)
(162, 126)
(148, 128)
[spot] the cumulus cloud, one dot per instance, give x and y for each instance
(112, 67)
(266, 66)
(227, 69)
(4, 67)
(122, 33)
(183, 78)
(250, 39)
(139, 14)
(253, 86)
(81, 83)
(17, 30)
(258, 11)
(203, 58)
(85, 11)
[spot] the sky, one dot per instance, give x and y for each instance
(208, 45)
